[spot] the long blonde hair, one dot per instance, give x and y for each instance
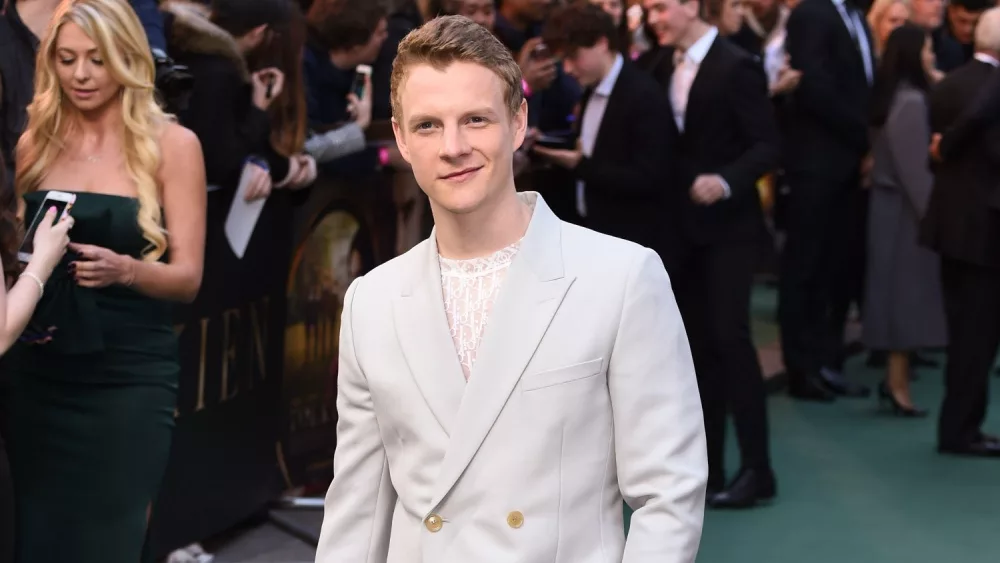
(123, 46)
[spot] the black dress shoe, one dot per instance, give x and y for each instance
(809, 388)
(982, 447)
(839, 385)
(750, 487)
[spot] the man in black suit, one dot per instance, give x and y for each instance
(826, 142)
(728, 139)
(963, 225)
(622, 163)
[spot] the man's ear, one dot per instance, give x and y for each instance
(520, 123)
(400, 135)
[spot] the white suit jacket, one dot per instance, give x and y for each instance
(583, 394)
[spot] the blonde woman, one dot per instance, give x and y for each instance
(883, 17)
(91, 411)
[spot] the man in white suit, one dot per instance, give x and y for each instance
(508, 382)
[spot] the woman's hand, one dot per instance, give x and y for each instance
(49, 243)
(307, 172)
(267, 84)
(260, 183)
(100, 267)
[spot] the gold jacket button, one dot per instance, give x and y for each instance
(515, 519)
(433, 523)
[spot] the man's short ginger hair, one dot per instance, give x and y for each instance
(453, 39)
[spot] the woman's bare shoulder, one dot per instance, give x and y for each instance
(177, 138)
(180, 155)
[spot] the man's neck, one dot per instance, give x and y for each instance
(697, 30)
(496, 225)
(36, 14)
(609, 62)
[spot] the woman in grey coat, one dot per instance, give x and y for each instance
(904, 311)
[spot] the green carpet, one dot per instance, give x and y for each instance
(859, 486)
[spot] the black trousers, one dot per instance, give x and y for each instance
(972, 307)
(814, 261)
(848, 283)
(712, 285)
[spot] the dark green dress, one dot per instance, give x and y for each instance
(91, 413)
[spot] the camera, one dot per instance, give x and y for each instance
(173, 81)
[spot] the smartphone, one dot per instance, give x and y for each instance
(541, 52)
(361, 72)
(555, 142)
(63, 202)
(270, 87)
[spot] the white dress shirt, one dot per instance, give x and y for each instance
(590, 124)
(686, 68)
(685, 71)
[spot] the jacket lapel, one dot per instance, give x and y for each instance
(531, 294)
(614, 116)
(425, 338)
(701, 93)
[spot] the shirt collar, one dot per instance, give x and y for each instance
(839, 3)
(984, 58)
(608, 84)
(697, 52)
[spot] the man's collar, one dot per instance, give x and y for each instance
(699, 50)
(608, 83)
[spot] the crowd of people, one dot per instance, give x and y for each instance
(856, 143)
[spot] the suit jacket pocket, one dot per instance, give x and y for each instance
(561, 375)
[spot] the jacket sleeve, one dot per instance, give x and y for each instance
(228, 125)
(358, 512)
(659, 432)
(754, 116)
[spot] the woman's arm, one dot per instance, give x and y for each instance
(18, 304)
(16, 308)
(184, 202)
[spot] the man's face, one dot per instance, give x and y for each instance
(927, 14)
(587, 64)
(482, 12)
(670, 19)
(458, 135)
(963, 24)
(532, 10)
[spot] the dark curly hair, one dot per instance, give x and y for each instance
(10, 227)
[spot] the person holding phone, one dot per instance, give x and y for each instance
(18, 298)
(91, 412)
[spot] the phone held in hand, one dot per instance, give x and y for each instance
(269, 93)
(541, 52)
(556, 140)
(63, 202)
(361, 72)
